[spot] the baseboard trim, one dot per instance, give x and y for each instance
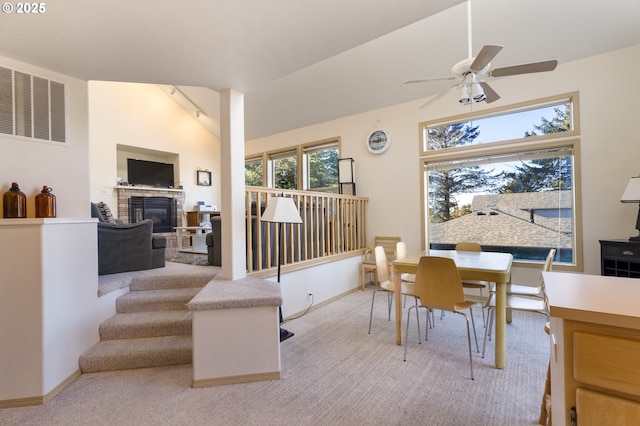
(40, 400)
(203, 383)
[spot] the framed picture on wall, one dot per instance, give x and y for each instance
(203, 178)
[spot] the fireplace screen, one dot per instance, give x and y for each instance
(163, 211)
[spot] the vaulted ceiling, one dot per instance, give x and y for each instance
(304, 62)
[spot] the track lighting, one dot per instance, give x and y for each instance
(199, 111)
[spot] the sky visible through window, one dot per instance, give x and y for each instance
(506, 127)
(512, 126)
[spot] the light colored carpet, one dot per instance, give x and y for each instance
(333, 373)
(173, 255)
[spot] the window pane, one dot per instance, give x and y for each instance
(553, 118)
(322, 169)
(253, 173)
(520, 203)
(285, 171)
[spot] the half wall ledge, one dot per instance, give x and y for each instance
(236, 332)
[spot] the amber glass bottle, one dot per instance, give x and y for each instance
(14, 203)
(45, 203)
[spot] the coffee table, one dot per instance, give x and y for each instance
(198, 238)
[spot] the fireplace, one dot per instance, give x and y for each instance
(161, 210)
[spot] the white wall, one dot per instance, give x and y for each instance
(49, 313)
(62, 166)
(610, 150)
(144, 116)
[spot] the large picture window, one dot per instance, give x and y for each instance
(513, 194)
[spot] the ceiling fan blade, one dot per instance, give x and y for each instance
(489, 93)
(525, 68)
(485, 56)
(424, 80)
(438, 96)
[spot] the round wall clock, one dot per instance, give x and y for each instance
(378, 141)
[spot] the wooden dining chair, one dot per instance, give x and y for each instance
(535, 291)
(386, 284)
(476, 285)
(401, 253)
(438, 286)
(518, 302)
(368, 265)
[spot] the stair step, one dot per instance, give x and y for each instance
(155, 300)
(146, 324)
(125, 354)
(163, 282)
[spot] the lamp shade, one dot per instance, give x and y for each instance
(281, 210)
(345, 170)
(632, 192)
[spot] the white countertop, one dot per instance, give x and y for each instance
(598, 299)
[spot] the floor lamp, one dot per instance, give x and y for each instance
(281, 210)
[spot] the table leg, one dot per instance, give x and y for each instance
(179, 238)
(397, 295)
(501, 325)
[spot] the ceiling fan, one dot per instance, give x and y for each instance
(472, 72)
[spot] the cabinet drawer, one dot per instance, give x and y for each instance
(607, 362)
(625, 252)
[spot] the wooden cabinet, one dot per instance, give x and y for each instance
(197, 217)
(595, 345)
(620, 258)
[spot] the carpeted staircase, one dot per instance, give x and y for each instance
(152, 326)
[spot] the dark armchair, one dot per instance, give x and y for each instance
(124, 247)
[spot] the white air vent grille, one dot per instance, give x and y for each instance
(32, 107)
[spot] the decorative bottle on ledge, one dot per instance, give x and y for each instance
(45, 203)
(14, 203)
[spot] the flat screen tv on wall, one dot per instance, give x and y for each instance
(149, 173)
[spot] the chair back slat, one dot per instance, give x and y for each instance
(438, 283)
(382, 265)
(389, 245)
(401, 250)
(468, 246)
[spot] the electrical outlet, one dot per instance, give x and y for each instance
(309, 296)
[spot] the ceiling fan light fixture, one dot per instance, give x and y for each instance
(477, 93)
(464, 95)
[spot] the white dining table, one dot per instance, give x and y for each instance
(473, 266)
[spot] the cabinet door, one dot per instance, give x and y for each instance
(192, 219)
(597, 409)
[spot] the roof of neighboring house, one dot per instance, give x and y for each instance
(505, 220)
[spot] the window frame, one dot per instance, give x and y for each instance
(300, 151)
(509, 147)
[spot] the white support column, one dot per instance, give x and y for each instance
(232, 172)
